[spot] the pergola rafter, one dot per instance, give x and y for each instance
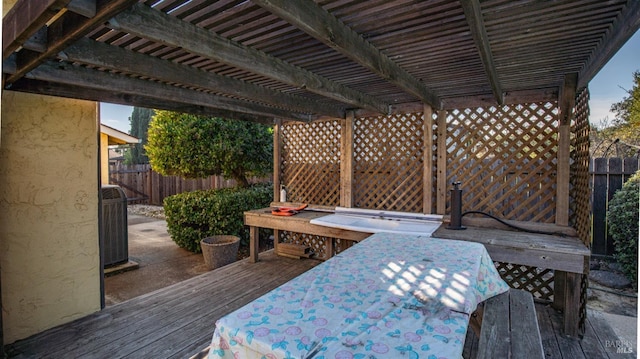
(152, 24)
(88, 78)
(626, 24)
(320, 59)
(317, 22)
(473, 14)
(63, 31)
(98, 54)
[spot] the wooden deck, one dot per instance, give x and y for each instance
(178, 321)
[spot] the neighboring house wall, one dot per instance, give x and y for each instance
(110, 136)
(49, 251)
(104, 158)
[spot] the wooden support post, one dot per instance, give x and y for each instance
(330, 247)
(276, 240)
(559, 277)
(346, 162)
(441, 166)
(562, 187)
(254, 242)
(427, 170)
(566, 104)
(571, 312)
(566, 297)
(277, 143)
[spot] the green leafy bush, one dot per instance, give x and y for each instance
(623, 226)
(192, 216)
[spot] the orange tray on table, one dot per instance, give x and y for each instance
(288, 211)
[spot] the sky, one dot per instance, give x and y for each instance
(607, 87)
(610, 85)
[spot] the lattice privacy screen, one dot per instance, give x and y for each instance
(579, 192)
(318, 244)
(310, 162)
(506, 159)
(537, 281)
(388, 162)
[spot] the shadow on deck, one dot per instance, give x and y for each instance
(178, 321)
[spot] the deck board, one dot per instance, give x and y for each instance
(178, 321)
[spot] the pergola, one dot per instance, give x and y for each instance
(376, 104)
(305, 60)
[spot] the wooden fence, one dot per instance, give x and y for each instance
(607, 176)
(143, 185)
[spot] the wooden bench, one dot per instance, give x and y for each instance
(510, 327)
(566, 255)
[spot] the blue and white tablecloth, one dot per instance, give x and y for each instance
(390, 296)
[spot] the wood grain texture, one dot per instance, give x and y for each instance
(165, 324)
(510, 327)
(317, 22)
(495, 333)
(153, 24)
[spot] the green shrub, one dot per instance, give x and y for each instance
(623, 226)
(192, 216)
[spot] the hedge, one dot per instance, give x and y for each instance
(192, 216)
(623, 226)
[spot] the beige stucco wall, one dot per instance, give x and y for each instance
(49, 254)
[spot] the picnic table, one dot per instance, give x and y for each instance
(390, 296)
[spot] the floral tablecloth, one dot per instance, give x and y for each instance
(390, 296)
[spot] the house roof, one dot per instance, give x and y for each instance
(116, 137)
(303, 60)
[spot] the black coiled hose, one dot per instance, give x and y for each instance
(514, 226)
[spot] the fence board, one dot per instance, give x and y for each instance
(143, 185)
(599, 201)
(608, 175)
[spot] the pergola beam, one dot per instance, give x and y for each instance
(24, 19)
(63, 31)
(155, 25)
(99, 54)
(99, 80)
(140, 100)
(473, 14)
(85, 8)
(311, 18)
(627, 23)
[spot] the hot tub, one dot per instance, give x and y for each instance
(374, 221)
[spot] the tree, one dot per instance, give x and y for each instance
(621, 137)
(139, 121)
(628, 110)
(194, 146)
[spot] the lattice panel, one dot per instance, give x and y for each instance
(579, 192)
(318, 244)
(506, 159)
(584, 285)
(388, 165)
(310, 162)
(537, 281)
(340, 245)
